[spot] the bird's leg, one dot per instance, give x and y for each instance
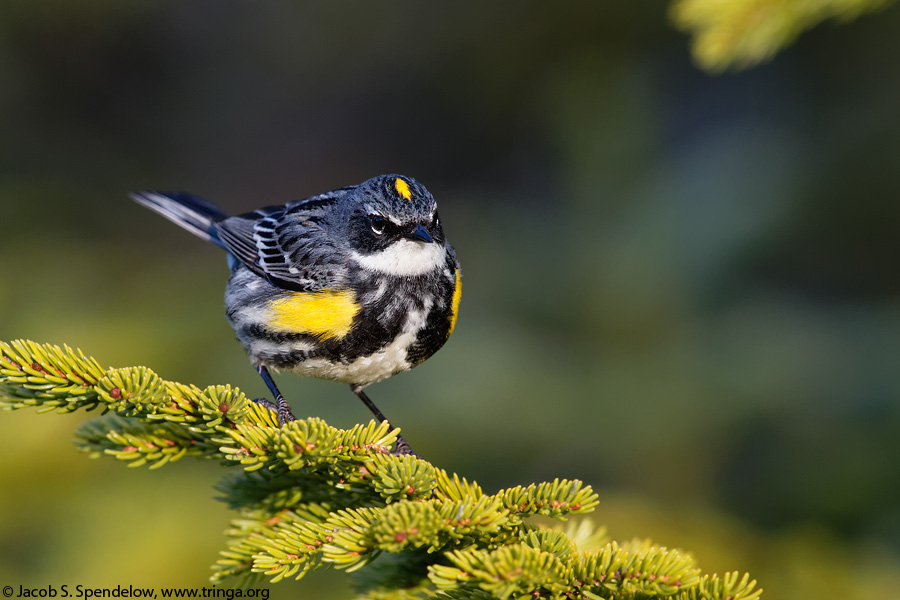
(402, 446)
(281, 406)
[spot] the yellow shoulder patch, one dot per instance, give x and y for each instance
(402, 188)
(454, 304)
(326, 314)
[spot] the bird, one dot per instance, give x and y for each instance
(353, 285)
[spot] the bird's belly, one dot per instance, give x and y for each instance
(340, 360)
(363, 370)
(357, 338)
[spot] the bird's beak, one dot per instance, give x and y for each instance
(421, 234)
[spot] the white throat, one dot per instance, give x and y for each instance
(404, 257)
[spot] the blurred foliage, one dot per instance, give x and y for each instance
(693, 277)
(745, 32)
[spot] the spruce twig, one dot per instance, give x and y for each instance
(311, 496)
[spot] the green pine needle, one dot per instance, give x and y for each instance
(310, 496)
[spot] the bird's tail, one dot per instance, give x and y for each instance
(190, 212)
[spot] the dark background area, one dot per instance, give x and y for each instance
(681, 288)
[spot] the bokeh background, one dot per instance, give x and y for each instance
(681, 288)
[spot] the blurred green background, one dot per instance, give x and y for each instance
(680, 288)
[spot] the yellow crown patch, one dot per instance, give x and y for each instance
(402, 188)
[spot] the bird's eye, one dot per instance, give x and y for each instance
(378, 224)
(436, 221)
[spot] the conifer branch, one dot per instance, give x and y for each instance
(311, 496)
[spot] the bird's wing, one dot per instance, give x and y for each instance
(288, 245)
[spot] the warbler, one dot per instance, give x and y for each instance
(353, 285)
